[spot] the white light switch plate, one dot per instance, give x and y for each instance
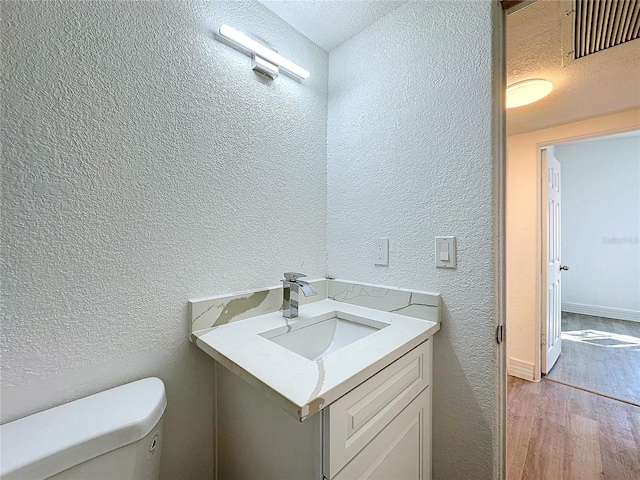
(446, 252)
(381, 251)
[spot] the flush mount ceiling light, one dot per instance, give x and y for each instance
(527, 91)
(263, 59)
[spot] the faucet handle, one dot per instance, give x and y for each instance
(292, 276)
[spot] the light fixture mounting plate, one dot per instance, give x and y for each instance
(264, 67)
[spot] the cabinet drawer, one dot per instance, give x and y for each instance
(357, 417)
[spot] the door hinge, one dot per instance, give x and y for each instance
(500, 334)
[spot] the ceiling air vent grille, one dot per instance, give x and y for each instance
(601, 24)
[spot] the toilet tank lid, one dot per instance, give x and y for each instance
(46, 443)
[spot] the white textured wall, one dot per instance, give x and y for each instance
(410, 157)
(144, 163)
(601, 224)
(523, 209)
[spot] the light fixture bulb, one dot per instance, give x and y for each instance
(262, 51)
(527, 91)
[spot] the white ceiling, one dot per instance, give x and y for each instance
(596, 85)
(328, 23)
(599, 84)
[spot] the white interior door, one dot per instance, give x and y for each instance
(551, 341)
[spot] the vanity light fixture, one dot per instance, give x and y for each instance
(263, 59)
(527, 91)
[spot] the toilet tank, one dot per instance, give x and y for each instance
(115, 434)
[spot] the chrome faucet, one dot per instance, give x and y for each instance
(290, 287)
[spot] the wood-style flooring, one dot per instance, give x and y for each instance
(601, 355)
(556, 432)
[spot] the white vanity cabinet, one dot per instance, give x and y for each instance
(381, 429)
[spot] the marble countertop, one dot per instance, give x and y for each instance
(300, 386)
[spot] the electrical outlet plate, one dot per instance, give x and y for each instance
(446, 252)
(381, 251)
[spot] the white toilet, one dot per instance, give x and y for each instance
(112, 435)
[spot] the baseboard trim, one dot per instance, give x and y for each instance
(598, 311)
(520, 369)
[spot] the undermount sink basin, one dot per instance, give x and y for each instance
(319, 336)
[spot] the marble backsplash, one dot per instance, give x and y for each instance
(210, 312)
(412, 303)
(215, 311)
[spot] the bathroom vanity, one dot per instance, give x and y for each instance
(343, 391)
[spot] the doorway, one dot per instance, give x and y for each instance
(599, 298)
(535, 439)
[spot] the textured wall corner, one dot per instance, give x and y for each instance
(145, 163)
(410, 152)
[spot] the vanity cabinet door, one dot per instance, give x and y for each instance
(401, 451)
(356, 420)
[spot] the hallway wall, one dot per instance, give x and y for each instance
(601, 227)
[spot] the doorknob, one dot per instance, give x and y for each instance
(564, 267)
